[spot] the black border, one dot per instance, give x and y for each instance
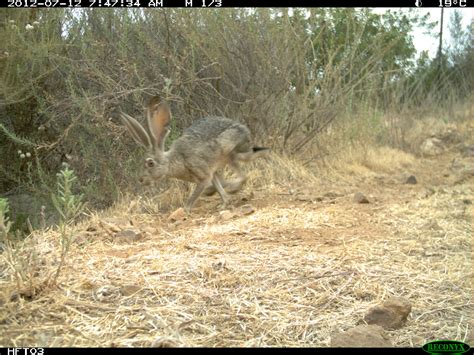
(237, 3)
(102, 351)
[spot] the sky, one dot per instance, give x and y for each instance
(430, 41)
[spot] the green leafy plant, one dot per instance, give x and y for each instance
(69, 207)
(21, 255)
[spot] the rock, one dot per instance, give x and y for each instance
(247, 209)
(391, 314)
(178, 215)
(359, 197)
(417, 341)
(467, 201)
(432, 146)
(227, 215)
(362, 336)
(411, 180)
(128, 235)
(107, 293)
(219, 265)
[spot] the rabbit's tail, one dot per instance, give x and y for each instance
(259, 149)
(258, 152)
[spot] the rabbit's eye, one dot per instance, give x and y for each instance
(149, 163)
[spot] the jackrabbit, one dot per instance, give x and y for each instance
(202, 150)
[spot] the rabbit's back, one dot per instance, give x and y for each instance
(207, 145)
(219, 133)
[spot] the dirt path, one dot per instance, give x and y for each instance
(305, 263)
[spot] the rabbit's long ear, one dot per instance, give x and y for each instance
(159, 117)
(136, 130)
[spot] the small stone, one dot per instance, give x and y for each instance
(392, 314)
(106, 293)
(359, 197)
(247, 209)
(128, 235)
(178, 215)
(226, 215)
(417, 341)
(219, 265)
(361, 336)
(432, 146)
(411, 180)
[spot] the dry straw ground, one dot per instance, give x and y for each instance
(307, 262)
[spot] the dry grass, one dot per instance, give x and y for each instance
(307, 262)
(373, 160)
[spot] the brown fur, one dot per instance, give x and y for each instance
(203, 149)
